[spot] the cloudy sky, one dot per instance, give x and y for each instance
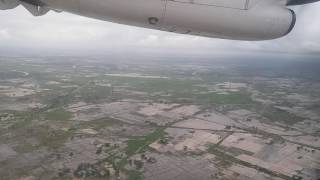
(19, 29)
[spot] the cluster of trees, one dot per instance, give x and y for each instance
(85, 170)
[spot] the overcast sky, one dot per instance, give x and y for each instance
(19, 29)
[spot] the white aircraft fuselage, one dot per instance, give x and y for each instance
(227, 19)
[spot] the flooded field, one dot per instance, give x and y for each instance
(100, 119)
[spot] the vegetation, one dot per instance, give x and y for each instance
(278, 115)
(135, 146)
(139, 144)
(49, 137)
(59, 114)
(228, 98)
(26, 148)
(99, 123)
(232, 150)
(134, 175)
(94, 93)
(87, 170)
(229, 158)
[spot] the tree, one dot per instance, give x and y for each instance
(138, 163)
(185, 148)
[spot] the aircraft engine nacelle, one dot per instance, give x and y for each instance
(238, 19)
(8, 4)
(229, 19)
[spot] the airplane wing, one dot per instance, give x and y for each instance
(8, 4)
(227, 19)
(300, 2)
(35, 7)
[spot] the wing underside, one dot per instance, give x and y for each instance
(300, 2)
(38, 8)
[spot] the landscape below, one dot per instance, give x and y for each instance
(82, 118)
